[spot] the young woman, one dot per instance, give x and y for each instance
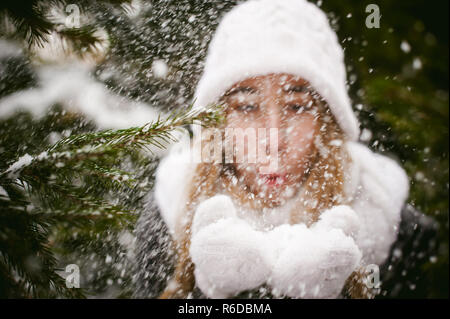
(309, 227)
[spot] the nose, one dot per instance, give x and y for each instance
(274, 119)
(273, 116)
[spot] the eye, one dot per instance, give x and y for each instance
(296, 108)
(300, 107)
(247, 108)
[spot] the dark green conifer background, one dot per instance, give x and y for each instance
(54, 216)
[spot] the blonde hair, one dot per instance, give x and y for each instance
(323, 188)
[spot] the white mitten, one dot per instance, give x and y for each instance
(211, 210)
(229, 255)
(315, 262)
(339, 217)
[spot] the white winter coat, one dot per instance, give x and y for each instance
(233, 251)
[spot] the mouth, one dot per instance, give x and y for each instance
(275, 180)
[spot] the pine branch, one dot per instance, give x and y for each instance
(156, 133)
(72, 196)
(82, 40)
(34, 26)
(91, 146)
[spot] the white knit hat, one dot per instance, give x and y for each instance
(278, 36)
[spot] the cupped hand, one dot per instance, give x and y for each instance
(296, 261)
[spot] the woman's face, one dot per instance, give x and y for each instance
(288, 104)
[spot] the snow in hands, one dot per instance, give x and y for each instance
(296, 261)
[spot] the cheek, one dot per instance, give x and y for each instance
(300, 140)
